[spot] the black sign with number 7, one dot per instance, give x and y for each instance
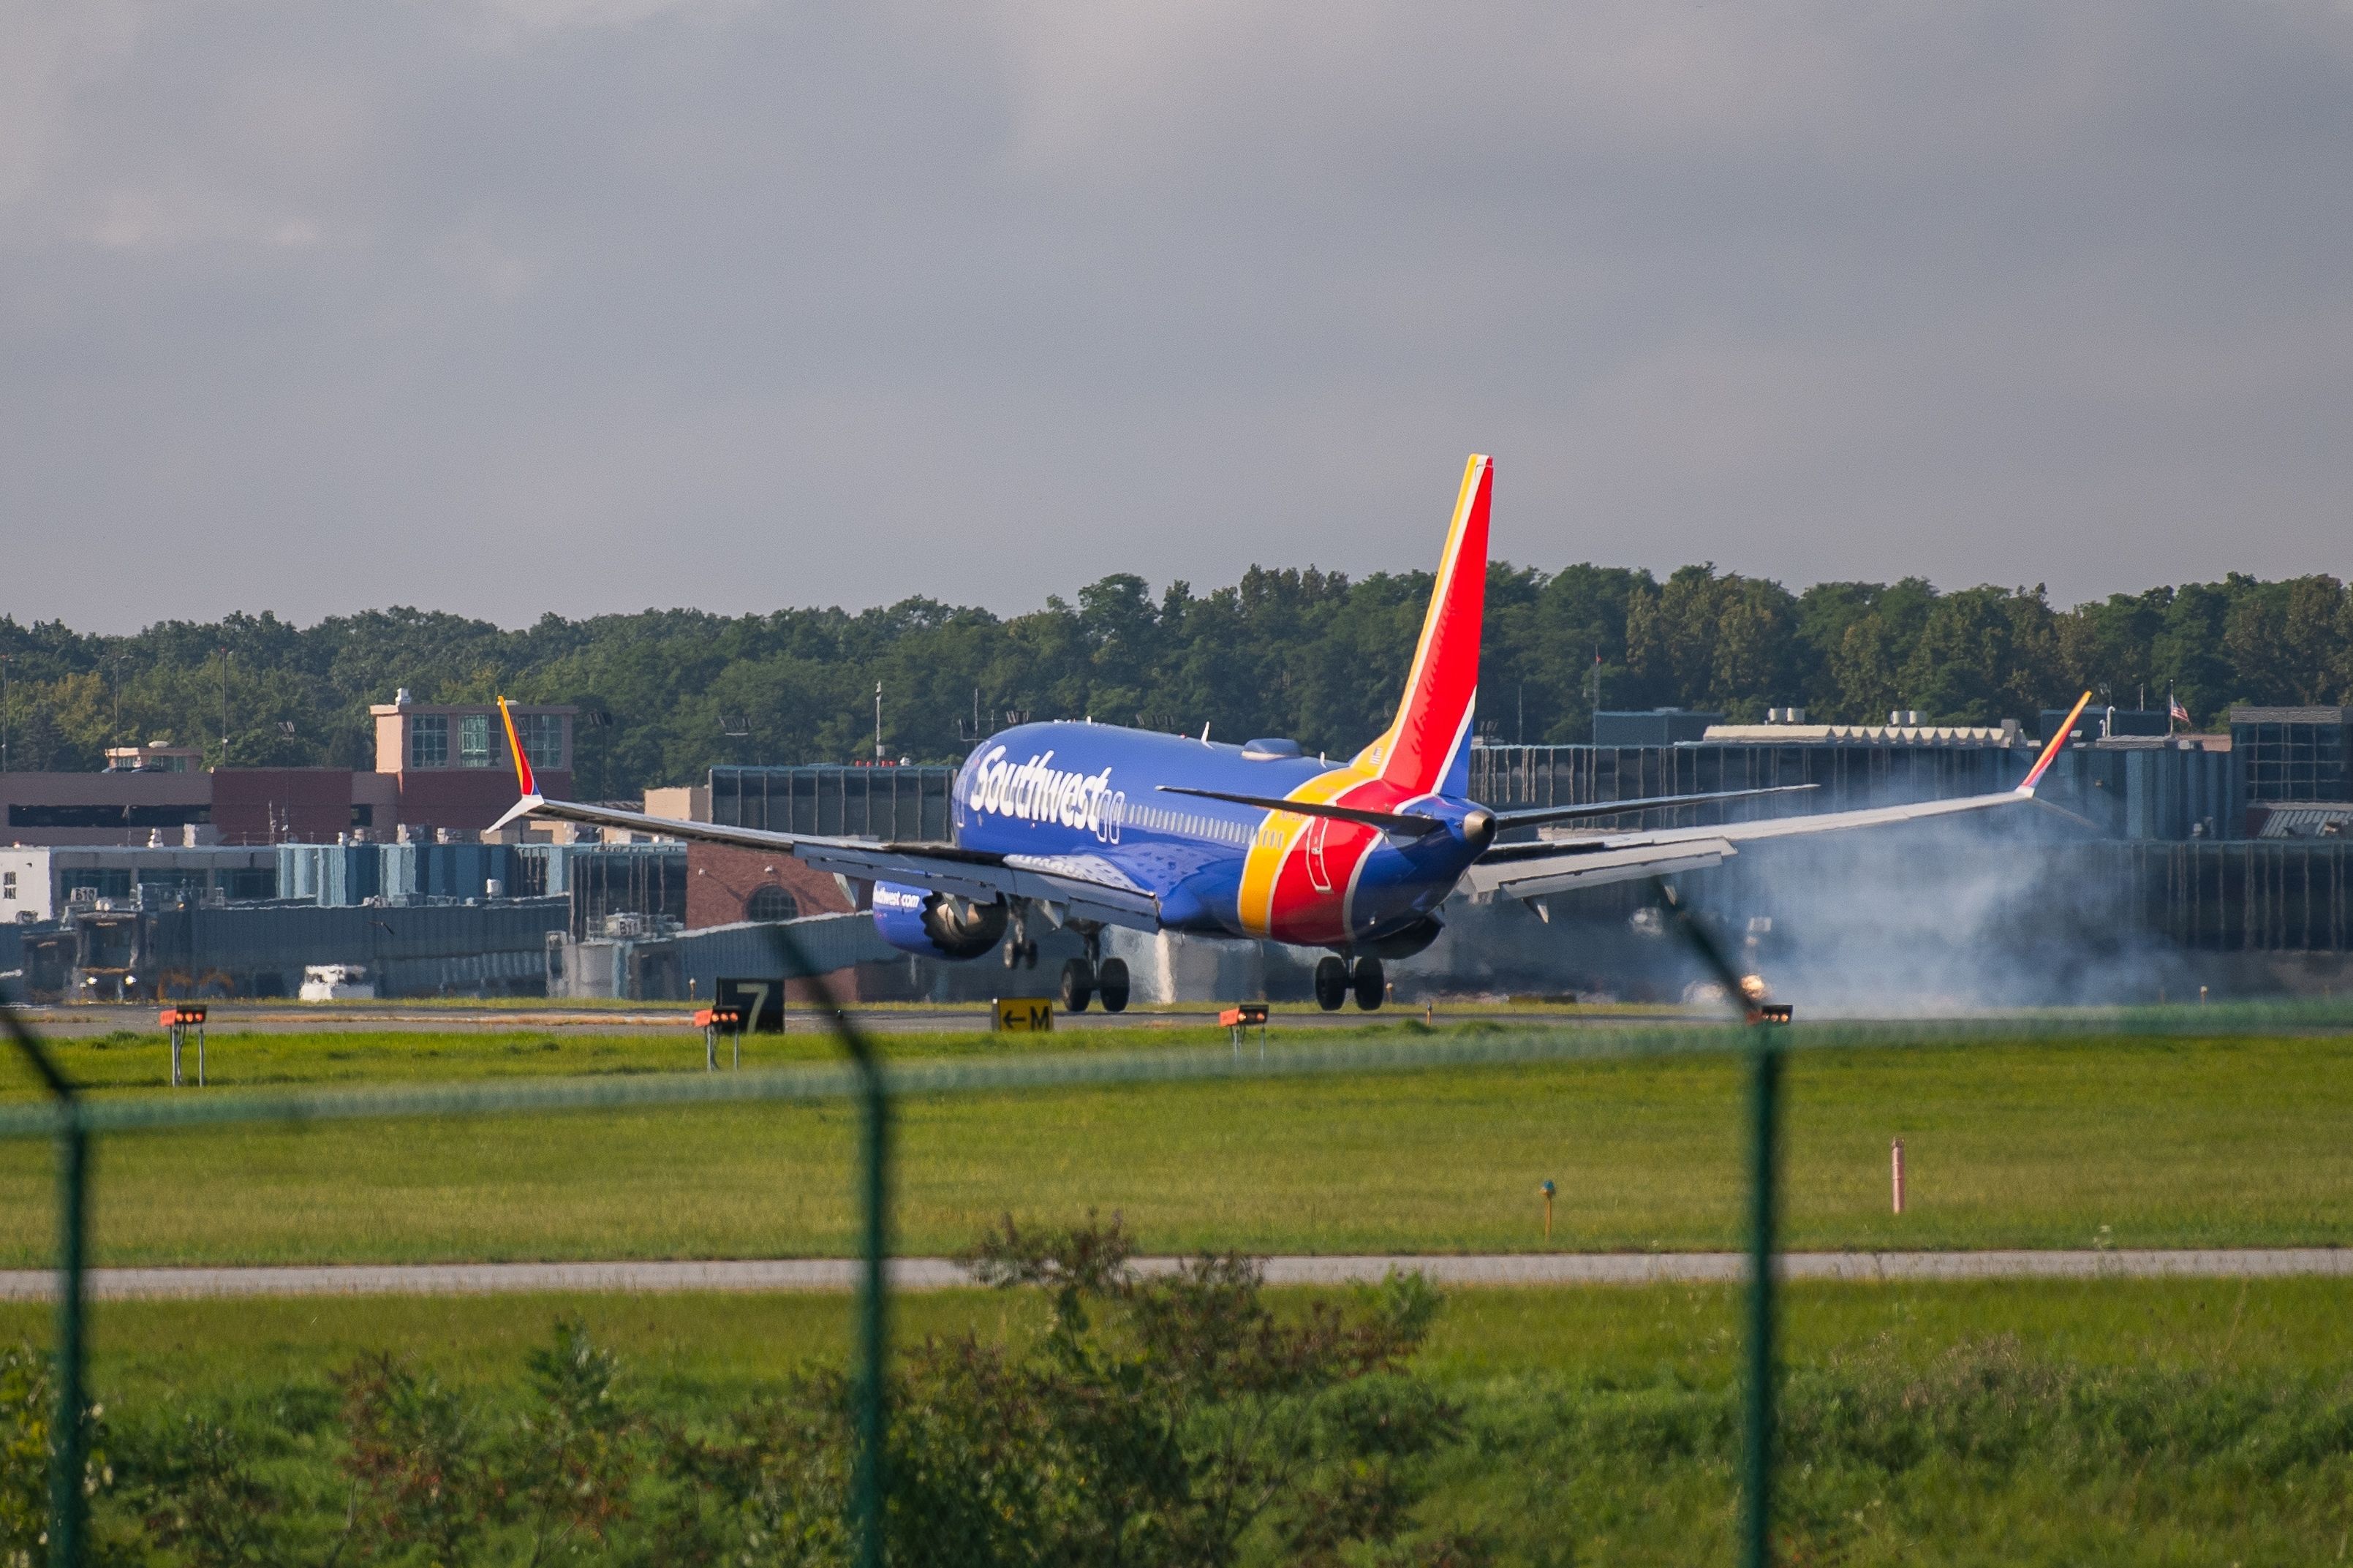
(760, 1003)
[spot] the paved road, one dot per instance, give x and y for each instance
(826, 1274)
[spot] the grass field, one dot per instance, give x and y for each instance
(1687, 1335)
(2072, 1142)
(2179, 1422)
(134, 1060)
(2140, 1422)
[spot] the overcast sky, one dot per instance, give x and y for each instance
(509, 306)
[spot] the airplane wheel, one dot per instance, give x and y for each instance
(1111, 981)
(1078, 985)
(1029, 954)
(1370, 984)
(1012, 955)
(1331, 983)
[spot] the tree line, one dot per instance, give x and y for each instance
(1317, 655)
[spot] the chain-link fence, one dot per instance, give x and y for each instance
(864, 1079)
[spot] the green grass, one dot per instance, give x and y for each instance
(1677, 1334)
(2127, 1421)
(2077, 1141)
(134, 1060)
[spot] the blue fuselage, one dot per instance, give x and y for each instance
(1091, 791)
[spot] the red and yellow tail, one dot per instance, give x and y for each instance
(1426, 749)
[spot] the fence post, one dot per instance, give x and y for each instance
(70, 1427)
(1758, 1427)
(874, 1300)
(870, 1477)
(1763, 1371)
(69, 1438)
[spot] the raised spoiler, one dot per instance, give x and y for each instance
(1533, 870)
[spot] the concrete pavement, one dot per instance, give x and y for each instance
(836, 1275)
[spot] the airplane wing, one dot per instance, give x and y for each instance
(1533, 870)
(1087, 886)
(1084, 887)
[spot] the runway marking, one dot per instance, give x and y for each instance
(837, 1275)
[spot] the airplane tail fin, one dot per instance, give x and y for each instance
(1428, 748)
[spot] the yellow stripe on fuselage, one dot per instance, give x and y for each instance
(1263, 863)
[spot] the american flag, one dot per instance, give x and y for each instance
(2175, 712)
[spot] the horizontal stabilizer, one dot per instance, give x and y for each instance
(1387, 821)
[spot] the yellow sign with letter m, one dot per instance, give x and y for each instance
(1025, 1015)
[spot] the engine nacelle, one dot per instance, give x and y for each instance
(937, 925)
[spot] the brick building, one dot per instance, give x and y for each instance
(439, 767)
(448, 762)
(726, 884)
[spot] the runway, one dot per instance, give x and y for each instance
(835, 1275)
(898, 1018)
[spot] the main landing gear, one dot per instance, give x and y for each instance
(1020, 948)
(1084, 979)
(1337, 979)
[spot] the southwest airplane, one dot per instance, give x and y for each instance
(1083, 825)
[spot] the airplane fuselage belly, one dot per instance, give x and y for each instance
(1215, 866)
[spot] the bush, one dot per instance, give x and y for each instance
(27, 1409)
(1162, 1420)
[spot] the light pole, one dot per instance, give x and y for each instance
(223, 756)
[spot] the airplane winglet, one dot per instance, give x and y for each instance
(530, 786)
(2051, 747)
(518, 810)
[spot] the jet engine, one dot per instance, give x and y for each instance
(936, 925)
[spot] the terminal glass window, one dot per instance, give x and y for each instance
(542, 738)
(474, 740)
(253, 882)
(2293, 761)
(429, 741)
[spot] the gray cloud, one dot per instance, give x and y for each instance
(590, 304)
